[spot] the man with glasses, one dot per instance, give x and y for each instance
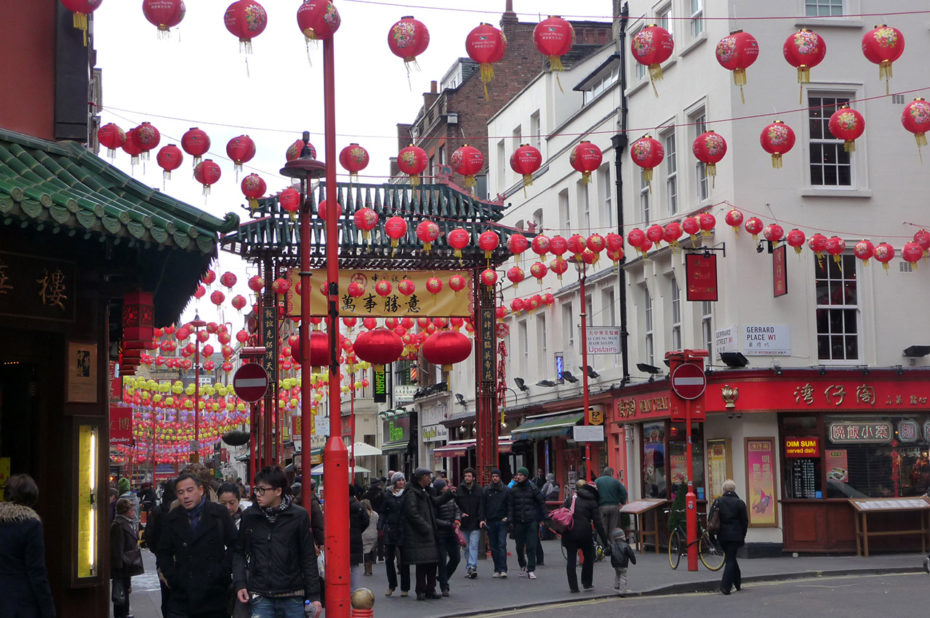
(194, 553)
(275, 567)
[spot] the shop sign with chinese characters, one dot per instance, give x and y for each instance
(652, 405)
(37, 287)
(860, 432)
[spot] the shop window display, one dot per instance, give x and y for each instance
(661, 474)
(654, 460)
(802, 457)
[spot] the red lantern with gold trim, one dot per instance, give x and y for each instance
(169, 158)
(489, 277)
(412, 160)
(777, 139)
(847, 124)
(539, 271)
(207, 173)
(406, 287)
(289, 199)
(366, 220)
(647, 152)
(559, 265)
(864, 250)
(164, 14)
(241, 150)
(111, 137)
(884, 253)
(321, 210)
(554, 38)
(256, 284)
(217, 298)
(672, 233)
(655, 233)
(734, 219)
(245, 19)
(836, 246)
(458, 239)
(467, 161)
(736, 52)
(488, 241)
(434, 285)
(457, 283)
(586, 158)
(652, 46)
(541, 245)
(408, 38)
(446, 348)
(922, 238)
(515, 275)
(81, 9)
(318, 19)
(773, 232)
(804, 50)
(517, 244)
(795, 239)
(486, 45)
(916, 119)
(378, 346)
(395, 228)
(239, 302)
(883, 45)
(707, 222)
(691, 226)
(911, 253)
(383, 287)
(253, 187)
(355, 289)
(427, 232)
(526, 160)
(353, 158)
(709, 148)
(146, 138)
(293, 151)
(754, 226)
(817, 244)
(196, 143)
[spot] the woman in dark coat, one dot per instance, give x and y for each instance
(125, 554)
(421, 546)
(734, 521)
(24, 587)
(581, 536)
(391, 523)
(358, 521)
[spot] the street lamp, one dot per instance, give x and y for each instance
(196, 324)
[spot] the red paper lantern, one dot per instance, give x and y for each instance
(280, 286)
(81, 9)
(321, 210)
(655, 233)
(319, 350)
(146, 138)
(554, 38)
(773, 232)
(647, 152)
(366, 220)
(412, 160)
(596, 243)
(517, 305)
(446, 348)
(526, 160)
(734, 219)
(515, 275)
(585, 158)
(517, 244)
(912, 252)
(636, 237)
(777, 139)
(289, 199)
(489, 277)
(817, 244)
(200, 291)
(253, 187)
(217, 298)
(541, 245)
(613, 241)
(169, 158)
(239, 302)
(691, 226)
(196, 143)
(754, 226)
(577, 245)
(922, 238)
(111, 137)
(383, 287)
(210, 277)
(884, 253)
(228, 279)
(795, 238)
(245, 19)
(672, 233)
(457, 283)
(241, 150)
(467, 161)
(709, 148)
(883, 45)
(652, 46)
(539, 270)
(458, 239)
(864, 250)
(164, 14)
(207, 173)
(256, 283)
(615, 255)
(407, 39)
(406, 287)
(132, 148)
(486, 45)
(378, 346)
(434, 285)
(488, 241)
(355, 289)
(707, 222)
(736, 52)
(427, 232)
(353, 158)
(847, 124)
(916, 119)
(318, 19)
(293, 151)
(395, 228)
(804, 50)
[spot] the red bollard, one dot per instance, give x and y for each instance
(691, 521)
(363, 602)
(336, 525)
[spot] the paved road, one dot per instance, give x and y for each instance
(650, 576)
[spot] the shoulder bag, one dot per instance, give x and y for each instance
(562, 519)
(713, 520)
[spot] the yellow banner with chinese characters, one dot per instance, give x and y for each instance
(447, 303)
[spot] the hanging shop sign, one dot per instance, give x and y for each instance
(36, 287)
(120, 424)
(701, 276)
(396, 429)
(381, 296)
(381, 383)
(805, 446)
(860, 432)
(779, 271)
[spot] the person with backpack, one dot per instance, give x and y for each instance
(585, 514)
(621, 555)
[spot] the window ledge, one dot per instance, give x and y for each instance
(842, 193)
(639, 85)
(694, 44)
(820, 22)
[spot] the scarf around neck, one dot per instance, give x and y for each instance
(272, 512)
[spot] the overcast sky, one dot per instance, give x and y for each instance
(198, 77)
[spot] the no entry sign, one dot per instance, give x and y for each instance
(688, 381)
(250, 382)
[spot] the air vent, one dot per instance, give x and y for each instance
(897, 99)
(905, 266)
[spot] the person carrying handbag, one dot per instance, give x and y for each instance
(125, 556)
(581, 535)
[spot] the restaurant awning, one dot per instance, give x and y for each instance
(394, 447)
(536, 427)
(458, 448)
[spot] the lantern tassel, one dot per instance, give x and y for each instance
(884, 72)
(739, 79)
(776, 160)
(849, 145)
(647, 177)
(711, 170)
(414, 180)
(585, 177)
(797, 250)
(427, 246)
(921, 142)
(80, 23)
(487, 74)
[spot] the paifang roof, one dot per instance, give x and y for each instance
(274, 234)
(62, 186)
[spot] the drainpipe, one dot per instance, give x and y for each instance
(620, 141)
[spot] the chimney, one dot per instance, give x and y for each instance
(509, 18)
(434, 87)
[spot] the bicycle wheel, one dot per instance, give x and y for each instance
(675, 546)
(710, 551)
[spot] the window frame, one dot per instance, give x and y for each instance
(584, 205)
(648, 327)
(565, 211)
(698, 122)
(816, 97)
(670, 144)
(606, 194)
(707, 327)
(644, 201)
(848, 260)
(817, 5)
(675, 308)
(696, 26)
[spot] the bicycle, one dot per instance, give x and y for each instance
(709, 549)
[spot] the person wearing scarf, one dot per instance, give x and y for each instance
(275, 565)
(391, 523)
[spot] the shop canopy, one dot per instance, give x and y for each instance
(537, 427)
(458, 448)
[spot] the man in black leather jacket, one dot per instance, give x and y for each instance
(526, 508)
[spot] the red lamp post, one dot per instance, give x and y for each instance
(196, 324)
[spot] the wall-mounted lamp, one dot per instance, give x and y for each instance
(460, 398)
(568, 375)
(521, 384)
(647, 368)
(734, 359)
(822, 370)
(549, 383)
(591, 373)
(778, 370)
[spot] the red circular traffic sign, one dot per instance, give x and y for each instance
(688, 381)
(250, 382)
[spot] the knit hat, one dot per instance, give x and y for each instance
(496, 471)
(122, 485)
(523, 471)
(550, 477)
(397, 476)
(420, 473)
(439, 484)
(617, 534)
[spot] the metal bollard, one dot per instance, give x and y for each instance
(363, 602)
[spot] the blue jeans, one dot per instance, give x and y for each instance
(287, 607)
(497, 539)
(471, 559)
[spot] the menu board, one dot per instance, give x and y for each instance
(761, 499)
(719, 466)
(804, 478)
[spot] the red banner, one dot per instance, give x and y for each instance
(120, 424)
(779, 272)
(701, 276)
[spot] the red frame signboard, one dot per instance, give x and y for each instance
(120, 424)
(803, 446)
(701, 276)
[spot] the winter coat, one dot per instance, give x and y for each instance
(621, 554)
(370, 535)
(446, 516)
(419, 520)
(358, 521)
(526, 503)
(316, 522)
(375, 495)
(586, 513)
(24, 587)
(153, 525)
(470, 500)
(125, 555)
(550, 491)
(273, 559)
(196, 562)
(496, 501)
(392, 517)
(734, 521)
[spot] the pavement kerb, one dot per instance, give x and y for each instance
(701, 586)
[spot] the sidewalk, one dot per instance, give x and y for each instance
(650, 576)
